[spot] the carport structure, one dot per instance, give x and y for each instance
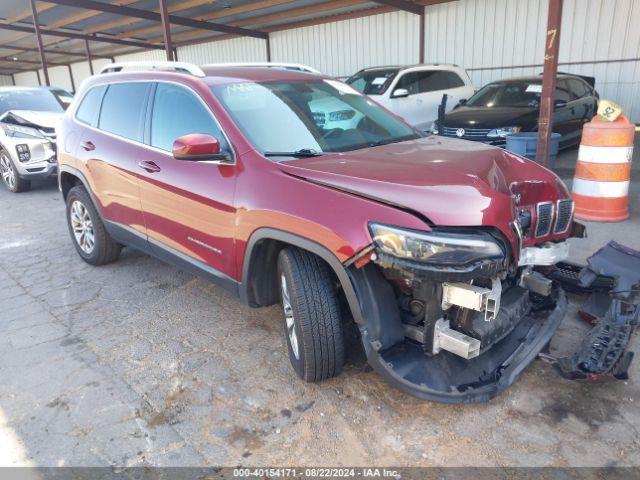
(38, 35)
(35, 33)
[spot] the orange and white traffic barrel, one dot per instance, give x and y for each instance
(603, 171)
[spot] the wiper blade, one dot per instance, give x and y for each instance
(302, 153)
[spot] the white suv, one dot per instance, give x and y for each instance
(415, 92)
(28, 117)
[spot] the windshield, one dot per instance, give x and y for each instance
(373, 82)
(38, 100)
(508, 94)
(312, 115)
(64, 97)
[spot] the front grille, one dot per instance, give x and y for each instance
(563, 216)
(545, 219)
(469, 133)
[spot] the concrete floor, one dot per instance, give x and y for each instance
(138, 363)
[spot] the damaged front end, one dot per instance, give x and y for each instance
(449, 315)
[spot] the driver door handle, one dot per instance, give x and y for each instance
(88, 145)
(149, 166)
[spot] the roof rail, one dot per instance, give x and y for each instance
(283, 65)
(180, 67)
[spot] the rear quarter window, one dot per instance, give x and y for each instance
(123, 110)
(90, 106)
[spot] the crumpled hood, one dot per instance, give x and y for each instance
(450, 182)
(32, 118)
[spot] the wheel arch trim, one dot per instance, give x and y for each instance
(305, 244)
(85, 183)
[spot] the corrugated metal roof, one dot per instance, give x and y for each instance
(110, 25)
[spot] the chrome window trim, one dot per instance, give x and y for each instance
(232, 160)
(551, 220)
(555, 223)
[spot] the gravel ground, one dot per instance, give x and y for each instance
(138, 363)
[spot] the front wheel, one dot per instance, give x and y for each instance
(312, 320)
(10, 175)
(91, 239)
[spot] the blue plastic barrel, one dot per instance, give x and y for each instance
(526, 144)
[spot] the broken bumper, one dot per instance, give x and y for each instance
(448, 378)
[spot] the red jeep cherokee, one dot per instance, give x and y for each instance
(295, 188)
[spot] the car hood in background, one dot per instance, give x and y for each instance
(450, 182)
(494, 117)
(32, 118)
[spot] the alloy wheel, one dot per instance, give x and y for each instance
(7, 171)
(289, 318)
(82, 226)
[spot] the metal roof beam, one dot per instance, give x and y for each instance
(320, 8)
(402, 5)
(154, 16)
(49, 50)
(226, 12)
(80, 36)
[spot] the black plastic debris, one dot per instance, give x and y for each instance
(568, 275)
(596, 307)
(603, 351)
(616, 261)
(612, 279)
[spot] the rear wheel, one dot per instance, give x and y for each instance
(92, 241)
(312, 320)
(10, 175)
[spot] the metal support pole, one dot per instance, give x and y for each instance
(73, 84)
(86, 46)
(175, 54)
(166, 29)
(13, 79)
(268, 40)
(545, 122)
(422, 34)
(36, 26)
(39, 79)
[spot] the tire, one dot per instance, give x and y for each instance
(10, 175)
(96, 246)
(312, 320)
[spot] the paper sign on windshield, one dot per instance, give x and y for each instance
(534, 88)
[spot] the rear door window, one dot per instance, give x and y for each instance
(578, 88)
(562, 91)
(177, 111)
(123, 109)
(441, 80)
(90, 107)
(429, 81)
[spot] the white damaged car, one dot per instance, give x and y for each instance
(28, 117)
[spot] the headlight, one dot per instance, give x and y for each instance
(19, 131)
(341, 115)
(434, 128)
(441, 248)
(49, 151)
(503, 132)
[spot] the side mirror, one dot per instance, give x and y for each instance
(400, 93)
(198, 147)
(462, 102)
(560, 103)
